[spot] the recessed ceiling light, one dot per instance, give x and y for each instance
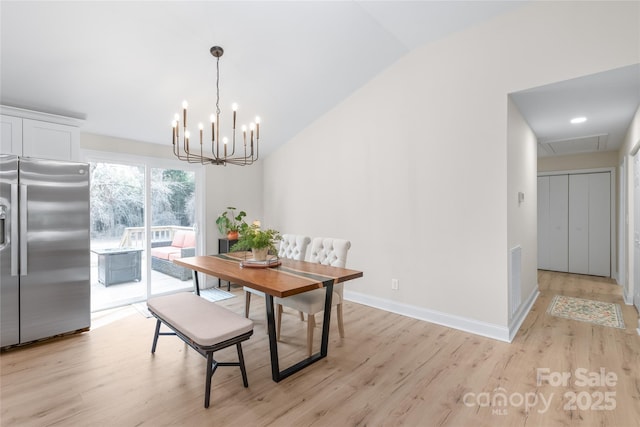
(577, 120)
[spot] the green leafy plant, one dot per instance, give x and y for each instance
(252, 237)
(228, 220)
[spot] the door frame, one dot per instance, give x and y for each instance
(632, 298)
(612, 203)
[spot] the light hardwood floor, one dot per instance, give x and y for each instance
(389, 370)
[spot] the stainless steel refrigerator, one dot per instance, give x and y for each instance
(44, 249)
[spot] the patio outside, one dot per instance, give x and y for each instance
(120, 273)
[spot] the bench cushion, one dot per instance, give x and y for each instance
(205, 322)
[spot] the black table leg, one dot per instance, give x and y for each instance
(273, 343)
(278, 375)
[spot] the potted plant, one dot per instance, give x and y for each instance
(259, 241)
(230, 224)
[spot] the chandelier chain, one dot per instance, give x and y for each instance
(218, 85)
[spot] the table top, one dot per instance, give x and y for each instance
(289, 278)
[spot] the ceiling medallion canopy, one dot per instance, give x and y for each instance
(222, 152)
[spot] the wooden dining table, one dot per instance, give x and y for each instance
(286, 279)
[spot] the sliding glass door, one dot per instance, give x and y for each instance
(172, 228)
(142, 218)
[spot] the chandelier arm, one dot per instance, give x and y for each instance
(233, 144)
(257, 148)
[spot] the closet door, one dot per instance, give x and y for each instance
(600, 224)
(558, 221)
(579, 224)
(543, 223)
(590, 224)
(553, 215)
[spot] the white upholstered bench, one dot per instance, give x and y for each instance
(204, 326)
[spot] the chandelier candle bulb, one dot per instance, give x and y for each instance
(234, 107)
(257, 127)
(174, 125)
(184, 113)
(213, 127)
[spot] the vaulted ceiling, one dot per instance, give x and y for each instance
(126, 66)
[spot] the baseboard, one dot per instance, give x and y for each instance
(628, 299)
(489, 330)
(521, 314)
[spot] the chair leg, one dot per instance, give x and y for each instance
(340, 324)
(278, 321)
(311, 324)
(247, 303)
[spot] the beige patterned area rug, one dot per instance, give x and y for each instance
(585, 310)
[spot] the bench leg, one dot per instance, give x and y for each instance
(207, 387)
(155, 337)
(242, 368)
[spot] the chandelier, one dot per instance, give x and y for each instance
(223, 151)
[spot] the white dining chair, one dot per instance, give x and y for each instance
(292, 246)
(325, 251)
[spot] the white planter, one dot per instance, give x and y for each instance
(260, 254)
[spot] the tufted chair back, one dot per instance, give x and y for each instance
(326, 251)
(293, 246)
(329, 251)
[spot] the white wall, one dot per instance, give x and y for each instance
(413, 169)
(522, 223)
(631, 141)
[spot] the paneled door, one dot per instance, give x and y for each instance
(574, 223)
(579, 224)
(553, 212)
(590, 224)
(600, 224)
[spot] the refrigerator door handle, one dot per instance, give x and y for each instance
(13, 239)
(23, 230)
(3, 221)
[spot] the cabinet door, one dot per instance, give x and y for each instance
(600, 224)
(579, 224)
(50, 140)
(558, 223)
(11, 137)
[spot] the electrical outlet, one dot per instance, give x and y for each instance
(394, 284)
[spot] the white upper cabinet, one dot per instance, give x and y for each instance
(45, 136)
(50, 140)
(11, 136)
